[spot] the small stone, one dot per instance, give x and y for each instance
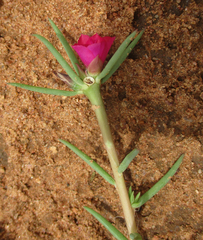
(37, 180)
(2, 170)
(53, 149)
(199, 171)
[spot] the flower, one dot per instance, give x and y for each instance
(93, 51)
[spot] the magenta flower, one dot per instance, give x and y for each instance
(93, 51)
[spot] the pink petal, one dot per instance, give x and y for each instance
(96, 38)
(97, 49)
(84, 53)
(83, 40)
(109, 41)
(102, 48)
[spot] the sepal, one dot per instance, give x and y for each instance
(95, 67)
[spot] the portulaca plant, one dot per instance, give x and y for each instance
(93, 52)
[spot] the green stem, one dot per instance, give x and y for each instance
(93, 93)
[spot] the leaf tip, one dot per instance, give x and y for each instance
(13, 84)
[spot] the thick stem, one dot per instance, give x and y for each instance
(93, 93)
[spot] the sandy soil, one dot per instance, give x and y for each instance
(154, 103)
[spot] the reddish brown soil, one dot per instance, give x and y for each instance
(154, 103)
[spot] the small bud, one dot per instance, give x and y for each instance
(65, 78)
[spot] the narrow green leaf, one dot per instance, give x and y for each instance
(132, 198)
(114, 231)
(116, 56)
(66, 46)
(137, 197)
(45, 90)
(123, 57)
(127, 160)
(61, 60)
(135, 236)
(159, 185)
(130, 191)
(90, 162)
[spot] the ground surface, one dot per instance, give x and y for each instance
(154, 103)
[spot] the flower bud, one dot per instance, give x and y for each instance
(65, 78)
(93, 51)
